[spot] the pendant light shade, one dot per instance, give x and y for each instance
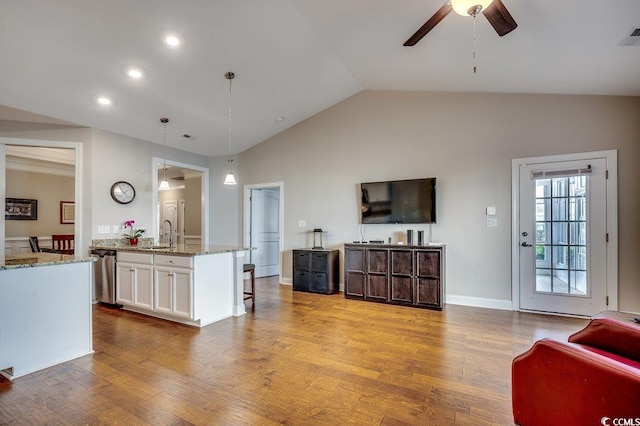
(230, 178)
(164, 185)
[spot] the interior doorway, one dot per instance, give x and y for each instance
(564, 253)
(48, 175)
(263, 227)
(185, 204)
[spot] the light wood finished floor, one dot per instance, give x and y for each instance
(298, 358)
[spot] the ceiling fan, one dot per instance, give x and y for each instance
(495, 12)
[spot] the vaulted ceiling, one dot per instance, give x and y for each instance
(292, 59)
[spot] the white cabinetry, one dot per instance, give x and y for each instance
(190, 289)
(134, 280)
(173, 285)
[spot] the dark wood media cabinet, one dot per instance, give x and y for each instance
(316, 271)
(395, 274)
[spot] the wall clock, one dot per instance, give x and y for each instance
(123, 192)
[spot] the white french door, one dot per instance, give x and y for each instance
(562, 231)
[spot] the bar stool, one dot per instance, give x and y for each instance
(251, 268)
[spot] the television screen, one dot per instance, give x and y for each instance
(399, 201)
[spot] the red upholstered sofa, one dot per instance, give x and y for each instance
(594, 379)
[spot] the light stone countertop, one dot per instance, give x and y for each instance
(30, 260)
(177, 250)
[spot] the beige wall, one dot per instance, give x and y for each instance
(468, 142)
(192, 206)
(49, 190)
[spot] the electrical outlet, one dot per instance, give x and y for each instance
(302, 224)
(492, 222)
(116, 229)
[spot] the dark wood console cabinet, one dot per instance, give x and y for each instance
(316, 271)
(399, 275)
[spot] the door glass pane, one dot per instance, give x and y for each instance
(561, 238)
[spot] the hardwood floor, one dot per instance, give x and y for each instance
(297, 358)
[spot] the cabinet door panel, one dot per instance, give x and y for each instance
(182, 295)
(428, 292)
(301, 260)
(354, 260)
(124, 284)
(318, 282)
(378, 260)
(162, 289)
(401, 289)
(377, 288)
(428, 263)
(354, 285)
(143, 286)
(401, 262)
(319, 262)
(301, 280)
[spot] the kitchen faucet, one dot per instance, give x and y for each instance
(170, 232)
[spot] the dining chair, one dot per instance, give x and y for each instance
(35, 246)
(63, 243)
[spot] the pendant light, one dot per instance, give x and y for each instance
(229, 179)
(164, 185)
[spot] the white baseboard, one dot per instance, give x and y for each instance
(287, 281)
(479, 302)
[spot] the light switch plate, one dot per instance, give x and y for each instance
(103, 229)
(116, 229)
(491, 211)
(302, 224)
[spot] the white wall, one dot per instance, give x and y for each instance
(110, 157)
(467, 141)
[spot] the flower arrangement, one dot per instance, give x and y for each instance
(133, 232)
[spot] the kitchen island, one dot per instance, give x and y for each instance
(45, 311)
(190, 284)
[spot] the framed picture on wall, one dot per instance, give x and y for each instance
(67, 212)
(20, 209)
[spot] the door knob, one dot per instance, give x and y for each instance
(525, 244)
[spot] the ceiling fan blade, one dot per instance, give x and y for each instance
(500, 18)
(428, 26)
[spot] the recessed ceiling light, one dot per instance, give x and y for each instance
(279, 119)
(134, 73)
(103, 100)
(172, 40)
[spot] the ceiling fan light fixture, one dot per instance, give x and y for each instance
(469, 7)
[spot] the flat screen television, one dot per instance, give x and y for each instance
(399, 201)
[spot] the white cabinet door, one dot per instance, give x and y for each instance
(163, 289)
(182, 293)
(124, 284)
(143, 286)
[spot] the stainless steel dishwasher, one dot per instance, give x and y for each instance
(104, 279)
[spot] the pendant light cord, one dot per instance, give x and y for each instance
(229, 75)
(474, 41)
(164, 122)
